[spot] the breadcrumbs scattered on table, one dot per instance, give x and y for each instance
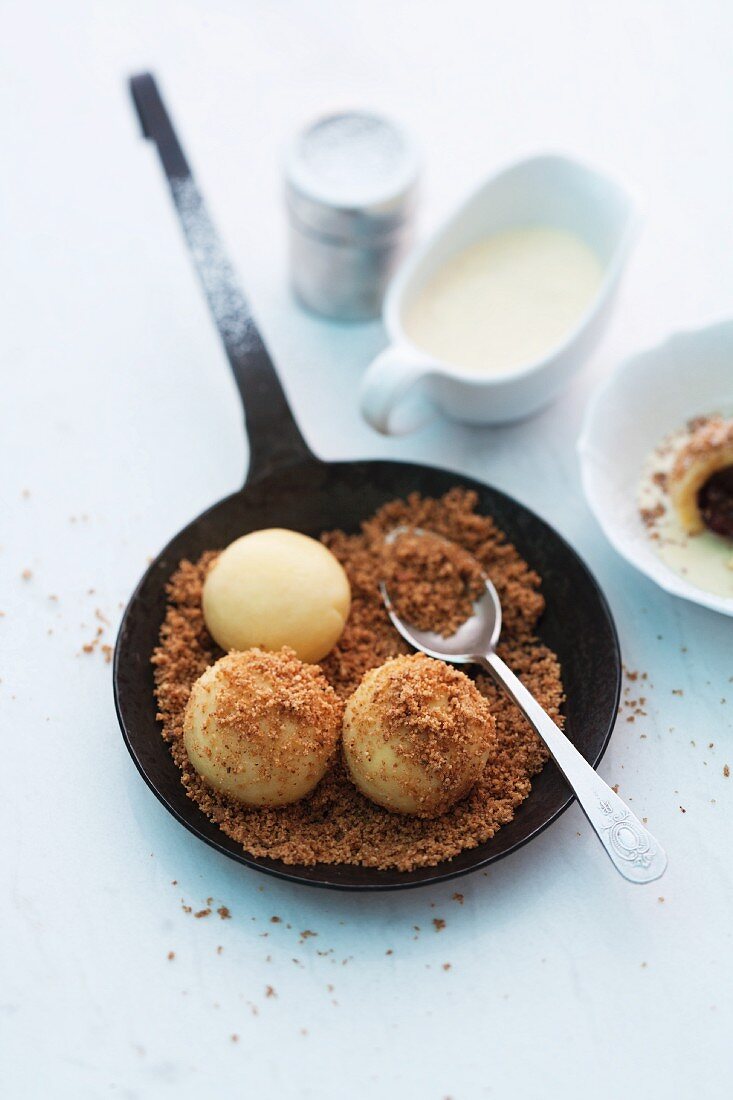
(336, 824)
(224, 912)
(726, 771)
(438, 923)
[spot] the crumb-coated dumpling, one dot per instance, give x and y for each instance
(708, 452)
(417, 735)
(262, 727)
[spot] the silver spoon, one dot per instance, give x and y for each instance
(633, 850)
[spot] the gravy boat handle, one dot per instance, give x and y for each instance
(394, 394)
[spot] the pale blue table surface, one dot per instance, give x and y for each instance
(120, 420)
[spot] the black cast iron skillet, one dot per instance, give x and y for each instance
(287, 486)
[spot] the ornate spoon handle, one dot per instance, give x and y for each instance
(632, 849)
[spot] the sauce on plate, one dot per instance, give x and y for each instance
(705, 559)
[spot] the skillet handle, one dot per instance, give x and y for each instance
(275, 440)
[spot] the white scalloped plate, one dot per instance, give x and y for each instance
(650, 395)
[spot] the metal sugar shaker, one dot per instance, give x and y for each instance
(350, 182)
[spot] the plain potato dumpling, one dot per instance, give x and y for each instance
(417, 734)
(276, 588)
(262, 727)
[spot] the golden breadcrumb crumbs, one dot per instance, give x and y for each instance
(336, 824)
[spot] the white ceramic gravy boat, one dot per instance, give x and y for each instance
(404, 387)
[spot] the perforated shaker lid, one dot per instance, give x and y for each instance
(351, 176)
